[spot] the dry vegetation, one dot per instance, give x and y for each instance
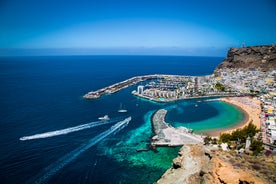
(261, 166)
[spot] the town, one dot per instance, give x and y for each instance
(228, 82)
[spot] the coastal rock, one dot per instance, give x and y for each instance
(187, 167)
(197, 164)
(177, 163)
(226, 173)
(261, 57)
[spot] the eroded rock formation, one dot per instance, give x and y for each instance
(196, 164)
(262, 57)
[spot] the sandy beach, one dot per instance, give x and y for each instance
(251, 108)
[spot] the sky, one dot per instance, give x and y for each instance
(177, 27)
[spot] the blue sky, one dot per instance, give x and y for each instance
(180, 27)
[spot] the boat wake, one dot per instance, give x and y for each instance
(67, 130)
(68, 158)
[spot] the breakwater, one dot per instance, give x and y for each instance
(166, 135)
(119, 86)
(158, 121)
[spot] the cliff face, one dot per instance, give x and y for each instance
(258, 57)
(196, 164)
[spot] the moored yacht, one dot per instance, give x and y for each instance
(121, 109)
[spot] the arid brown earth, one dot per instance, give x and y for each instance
(198, 164)
(256, 57)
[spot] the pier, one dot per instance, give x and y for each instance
(166, 135)
(120, 85)
(158, 121)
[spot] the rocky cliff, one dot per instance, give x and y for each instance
(197, 164)
(262, 57)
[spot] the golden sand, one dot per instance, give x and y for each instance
(250, 106)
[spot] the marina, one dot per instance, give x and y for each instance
(119, 86)
(166, 88)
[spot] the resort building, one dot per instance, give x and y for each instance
(140, 90)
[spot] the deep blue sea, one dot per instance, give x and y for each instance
(42, 94)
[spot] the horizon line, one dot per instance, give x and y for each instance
(154, 51)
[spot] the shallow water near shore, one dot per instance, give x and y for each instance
(201, 116)
(42, 94)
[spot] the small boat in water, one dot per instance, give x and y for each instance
(121, 109)
(105, 117)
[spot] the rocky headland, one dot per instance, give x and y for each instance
(255, 57)
(201, 164)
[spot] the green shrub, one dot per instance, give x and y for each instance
(240, 134)
(207, 140)
(256, 147)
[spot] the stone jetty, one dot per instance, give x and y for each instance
(166, 135)
(120, 85)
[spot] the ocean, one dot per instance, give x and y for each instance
(44, 94)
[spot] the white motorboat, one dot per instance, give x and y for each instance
(105, 117)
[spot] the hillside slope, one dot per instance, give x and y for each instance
(256, 57)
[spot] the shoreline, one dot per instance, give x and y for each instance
(168, 100)
(251, 109)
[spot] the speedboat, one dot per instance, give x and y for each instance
(105, 117)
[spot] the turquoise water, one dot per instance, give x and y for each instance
(219, 115)
(139, 139)
(161, 99)
(204, 116)
(124, 151)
